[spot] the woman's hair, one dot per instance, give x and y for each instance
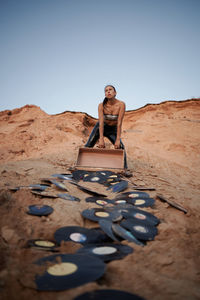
(106, 99)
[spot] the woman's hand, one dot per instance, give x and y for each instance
(117, 144)
(101, 143)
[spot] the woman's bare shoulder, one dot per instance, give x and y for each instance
(121, 103)
(100, 105)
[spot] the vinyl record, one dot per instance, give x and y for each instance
(109, 294)
(45, 194)
(125, 234)
(40, 187)
(97, 214)
(141, 215)
(99, 200)
(118, 187)
(106, 251)
(66, 196)
(79, 234)
(140, 230)
(106, 226)
(42, 244)
(132, 195)
(79, 174)
(40, 210)
(68, 271)
(63, 176)
(142, 202)
(60, 185)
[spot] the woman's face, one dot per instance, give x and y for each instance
(110, 92)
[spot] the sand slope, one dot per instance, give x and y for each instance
(162, 143)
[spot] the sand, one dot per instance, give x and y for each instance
(162, 143)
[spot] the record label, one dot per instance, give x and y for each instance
(139, 201)
(78, 237)
(101, 202)
(102, 214)
(44, 243)
(120, 201)
(104, 250)
(95, 179)
(140, 229)
(140, 216)
(62, 269)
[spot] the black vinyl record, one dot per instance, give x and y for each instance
(139, 214)
(118, 187)
(42, 244)
(140, 230)
(125, 234)
(45, 194)
(109, 294)
(39, 210)
(79, 235)
(97, 214)
(132, 195)
(39, 187)
(69, 197)
(60, 185)
(106, 251)
(68, 271)
(99, 200)
(79, 174)
(106, 226)
(63, 176)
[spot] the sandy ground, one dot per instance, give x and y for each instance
(162, 143)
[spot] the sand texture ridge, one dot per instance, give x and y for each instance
(162, 142)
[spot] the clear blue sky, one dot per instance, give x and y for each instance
(59, 54)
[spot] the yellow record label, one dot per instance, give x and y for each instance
(44, 243)
(101, 202)
(139, 201)
(62, 269)
(102, 214)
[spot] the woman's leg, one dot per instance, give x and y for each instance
(111, 133)
(94, 136)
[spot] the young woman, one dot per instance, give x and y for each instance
(111, 113)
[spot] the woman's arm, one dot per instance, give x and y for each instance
(119, 124)
(101, 126)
